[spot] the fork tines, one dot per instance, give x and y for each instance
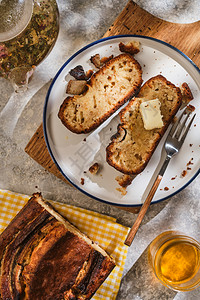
(187, 128)
(177, 131)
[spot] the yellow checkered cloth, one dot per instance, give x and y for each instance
(100, 228)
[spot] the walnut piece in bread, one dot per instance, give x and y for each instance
(76, 87)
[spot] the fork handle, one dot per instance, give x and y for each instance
(142, 212)
(147, 202)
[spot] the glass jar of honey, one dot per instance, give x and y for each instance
(175, 259)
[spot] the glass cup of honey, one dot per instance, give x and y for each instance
(175, 259)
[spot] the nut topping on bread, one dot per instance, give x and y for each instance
(109, 88)
(132, 147)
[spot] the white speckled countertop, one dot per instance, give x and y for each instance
(82, 22)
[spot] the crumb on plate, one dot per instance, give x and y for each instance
(94, 168)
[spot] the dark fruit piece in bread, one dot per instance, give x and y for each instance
(132, 146)
(109, 88)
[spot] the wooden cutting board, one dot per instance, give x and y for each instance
(132, 20)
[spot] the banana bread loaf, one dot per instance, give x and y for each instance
(43, 256)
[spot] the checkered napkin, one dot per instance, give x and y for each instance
(100, 228)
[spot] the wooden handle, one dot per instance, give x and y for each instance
(142, 212)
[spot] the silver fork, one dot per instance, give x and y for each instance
(172, 145)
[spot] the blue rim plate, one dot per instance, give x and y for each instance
(73, 155)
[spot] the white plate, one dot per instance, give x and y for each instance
(73, 155)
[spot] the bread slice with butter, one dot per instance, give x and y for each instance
(109, 88)
(132, 146)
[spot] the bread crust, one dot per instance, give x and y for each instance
(49, 258)
(108, 89)
(22, 226)
(132, 146)
(186, 93)
(31, 210)
(132, 47)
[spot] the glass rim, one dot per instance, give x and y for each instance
(20, 23)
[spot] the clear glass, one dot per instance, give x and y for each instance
(175, 259)
(20, 55)
(14, 16)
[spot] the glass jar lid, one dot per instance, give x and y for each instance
(14, 17)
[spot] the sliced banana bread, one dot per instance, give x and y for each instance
(109, 88)
(132, 146)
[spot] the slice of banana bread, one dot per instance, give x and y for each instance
(109, 88)
(132, 146)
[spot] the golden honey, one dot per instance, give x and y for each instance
(176, 261)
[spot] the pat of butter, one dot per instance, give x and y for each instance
(151, 114)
